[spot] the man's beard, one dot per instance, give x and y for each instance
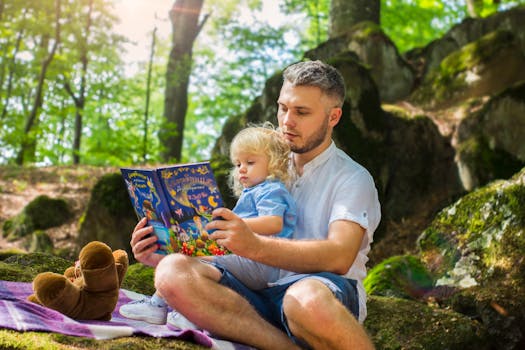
(313, 141)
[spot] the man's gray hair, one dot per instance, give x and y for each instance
(319, 74)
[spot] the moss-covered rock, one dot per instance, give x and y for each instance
(477, 245)
(429, 58)
(486, 66)
(367, 42)
(404, 324)
(41, 213)
(24, 267)
(109, 216)
(399, 276)
(40, 242)
(474, 234)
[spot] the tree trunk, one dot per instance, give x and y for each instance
(12, 69)
(185, 25)
(80, 100)
(148, 94)
(28, 143)
(344, 14)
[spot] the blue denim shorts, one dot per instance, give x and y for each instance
(269, 301)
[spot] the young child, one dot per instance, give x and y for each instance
(259, 177)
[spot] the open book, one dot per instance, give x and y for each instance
(178, 201)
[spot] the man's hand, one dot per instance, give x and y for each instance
(143, 244)
(232, 233)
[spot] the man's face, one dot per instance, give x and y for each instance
(306, 118)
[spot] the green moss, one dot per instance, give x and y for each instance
(19, 226)
(403, 324)
(40, 242)
(501, 309)
(362, 31)
(110, 193)
(39, 262)
(474, 230)
(139, 278)
(51, 341)
(443, 83)
(10, 272)
(399, 276)
(47, 212)
(7, 252)
(401, 113)
(41, 213)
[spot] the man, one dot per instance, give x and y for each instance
(319, 299)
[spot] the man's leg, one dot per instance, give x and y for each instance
(314, 315)
(191, 287)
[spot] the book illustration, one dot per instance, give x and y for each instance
(178, 202)
(142, 186)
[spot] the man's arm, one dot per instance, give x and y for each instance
(335, 254)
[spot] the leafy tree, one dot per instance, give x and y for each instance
(186, 25)
(316, 13)
(47, 47)
(234, 57)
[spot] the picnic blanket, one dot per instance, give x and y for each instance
(18, 314)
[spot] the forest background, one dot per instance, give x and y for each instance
(71, 94)
(435, 111)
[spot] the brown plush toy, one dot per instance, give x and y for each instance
(88, 291)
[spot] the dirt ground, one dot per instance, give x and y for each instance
(20, 185)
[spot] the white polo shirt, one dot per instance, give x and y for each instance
(335, 187)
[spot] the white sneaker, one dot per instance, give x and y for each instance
(144, 310)
(178, 321)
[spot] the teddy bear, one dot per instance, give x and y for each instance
(87, 291)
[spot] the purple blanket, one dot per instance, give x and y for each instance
(18, 314)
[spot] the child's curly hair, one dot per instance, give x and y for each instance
(261, 139)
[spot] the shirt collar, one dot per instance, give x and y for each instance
(320, 159)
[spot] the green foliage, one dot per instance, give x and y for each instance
(233, 57)
(316, 13)
(399, 276)
(244, 55)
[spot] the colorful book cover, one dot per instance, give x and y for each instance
(178, 201)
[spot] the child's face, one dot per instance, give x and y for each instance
(251, 169)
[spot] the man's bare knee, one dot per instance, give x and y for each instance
(171, 272)
(306, 299)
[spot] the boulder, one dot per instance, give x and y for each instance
(109, 216)
(393, 76)
(483, 67)
(41, 213)
(476, 246)
(469, 30)
(489, 141)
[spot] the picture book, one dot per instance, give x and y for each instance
(177, 201)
